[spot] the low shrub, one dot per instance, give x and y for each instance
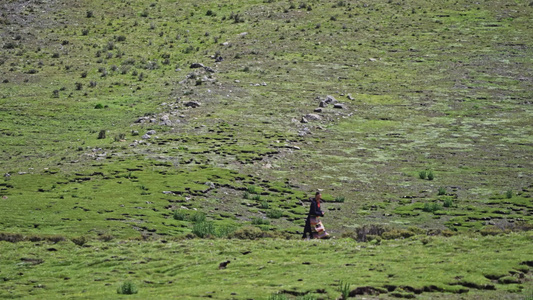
(127, 288)
(224, 231)
(431, 176)
(204, 229)
(247, 233)
(80, 241)
(339, 199)
(448, 202)
(252, 189)
(260, 221)
(274, 213)
(442, 191)
(264, 205)
(397, 234)
(422, 174)
(509, 194)
(431, 207)
(363, 234)
(180, 215)
(197, 217)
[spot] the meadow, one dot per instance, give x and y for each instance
(145, 142)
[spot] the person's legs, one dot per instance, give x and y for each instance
(307, 229)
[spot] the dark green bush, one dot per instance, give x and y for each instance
(448, 202)
(442, 191)
(127, 288)
(339, 199)
(252, 189)
(260, 221)
(180, 215)
(431, 207)
(274, 213)
(197, 217)
(204, 229)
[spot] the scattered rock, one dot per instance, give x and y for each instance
(318, 110)
(330, 99)
(350, 97)
(313, 117)
(338, 105)
(196, 65)
(193, 104)
(304, 120)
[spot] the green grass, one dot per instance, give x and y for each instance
(442, 87)
(261, 267)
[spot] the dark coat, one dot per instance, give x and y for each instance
(314, 211)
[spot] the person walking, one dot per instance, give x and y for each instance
(313, 225)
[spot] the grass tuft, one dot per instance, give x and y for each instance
(127, 288)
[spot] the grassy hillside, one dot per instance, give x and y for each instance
(165, 120)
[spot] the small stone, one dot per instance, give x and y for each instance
(313, 117)
(330, 99)
(193, 104)
(196, 65)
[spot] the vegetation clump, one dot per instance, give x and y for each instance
(127, 288)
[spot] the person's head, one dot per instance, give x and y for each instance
(318, 196)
